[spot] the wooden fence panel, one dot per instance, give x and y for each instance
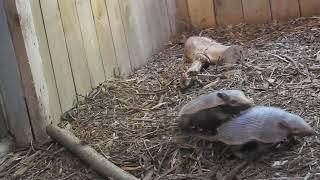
(119, 38)
(104, 35)
(182, 15)
(309, 7)
(228, 11)
(158, 23)
(130, 19)
(171, 7)
(59, 53)
(153, 24)
(284, 9)
(164, 19)
(33, 72)
(90, 42)
(256, 11)
(75, 47)
(11, 91)
(144, 30)
(202, 14)
(54, 103)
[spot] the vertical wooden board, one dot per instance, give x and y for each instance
(55, 109)
(119, 37)
(164, 18)
(38, 99)
(144, 30)
(182, 15)
(11, 90)
(130, 19)
(228, 12)
(153, 29)
(284, 9)
(135, 23)
(105, 38)
(171, 7)
(159, 32)
(90, 42)
(75, 47)
(256, 11)
(309, 7)
(201, 14)
(59, 53)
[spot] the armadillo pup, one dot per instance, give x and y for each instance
(209, 111)
(252, 133)
(262, 124)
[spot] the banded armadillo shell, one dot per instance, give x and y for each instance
(259, 123)
(207, 101)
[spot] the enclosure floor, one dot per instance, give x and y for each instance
(133, 121)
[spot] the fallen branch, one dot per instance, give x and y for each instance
(96, 161)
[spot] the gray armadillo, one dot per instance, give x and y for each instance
(262, 124)
(209, 111)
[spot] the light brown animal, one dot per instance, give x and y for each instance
(203, 51)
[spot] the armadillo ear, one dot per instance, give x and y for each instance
(223, 96)
(284, 125)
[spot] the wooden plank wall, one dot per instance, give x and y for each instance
(13, 110)
(84, 42)
(209, 13)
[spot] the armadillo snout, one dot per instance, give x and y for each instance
(306, 131)
(309, 132)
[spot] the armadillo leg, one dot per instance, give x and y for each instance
(292, 141)
(251, 151)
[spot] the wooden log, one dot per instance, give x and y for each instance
(202, 50)
(96, 161)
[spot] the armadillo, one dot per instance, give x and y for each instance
(209, 111)
(262, 124)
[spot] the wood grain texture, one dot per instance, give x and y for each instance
(119, 37)
(309, 7)
(171, 7)
(228, 12)
(144, 30)
(40, 98)
(104, 35)
(284, 9)
(75, 46)
(159, 32)
(130, 19)
(182, 15)
(164, 19)
(256, 11)
(153, 26)
(202, 14)
(54, 103)
(90, 42)
(59, 53)
(12, 94)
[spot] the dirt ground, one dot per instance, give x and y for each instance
(132, 121)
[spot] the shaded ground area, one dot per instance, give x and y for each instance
(133, 121)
